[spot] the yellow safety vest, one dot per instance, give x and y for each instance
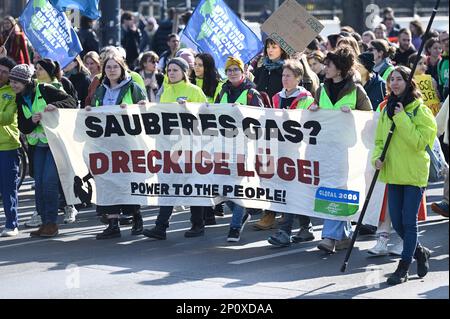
(242, 99)
(127, 99)
(347, 100)
(39, 104)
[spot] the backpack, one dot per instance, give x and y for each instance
(264, 97)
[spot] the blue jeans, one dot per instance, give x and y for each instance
(46, 185)
(9, 181)
(404, 201)
(238, 213)
(336, 229)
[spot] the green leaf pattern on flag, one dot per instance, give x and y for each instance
(206, 9)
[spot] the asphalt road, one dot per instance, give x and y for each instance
(76, 265)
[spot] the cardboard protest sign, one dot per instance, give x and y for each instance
(292, 27)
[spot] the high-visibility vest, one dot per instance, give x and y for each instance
(347, 100)
(39, 104)
(242, 99)
(302, 101)
(387, 72)
(127, 99)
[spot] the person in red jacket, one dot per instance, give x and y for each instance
(13, 41)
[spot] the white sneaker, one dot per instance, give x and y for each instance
(35, 221)
(380, 248)
(70, 213)
(396, 247)
(9, 232)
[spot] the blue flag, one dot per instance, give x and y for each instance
(49, 32)
(215, 29)
(87, 8)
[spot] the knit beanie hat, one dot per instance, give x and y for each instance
(234, 61)
(180, 62)
(21, 73)
(7, 62)
(49, 66)
(367, 59)
(187, 55)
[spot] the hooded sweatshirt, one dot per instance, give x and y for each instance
(112, 94)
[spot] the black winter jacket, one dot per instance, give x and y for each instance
(268, 81)
(376, 90)
(234, 92)
(51, 95)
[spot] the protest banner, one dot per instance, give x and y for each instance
(215, 29)
(50, 32)
(302, 162)
(429, 95)
(87, 8)
(292, 27)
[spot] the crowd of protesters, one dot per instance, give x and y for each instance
(344, 72)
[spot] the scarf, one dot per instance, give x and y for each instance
(272, 65)
(392, 103)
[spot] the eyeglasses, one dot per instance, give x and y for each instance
(234, 70)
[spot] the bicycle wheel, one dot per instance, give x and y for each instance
(23, 165)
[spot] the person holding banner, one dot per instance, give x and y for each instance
(118, 88)
(291, 97)
(382, 53)
(32, 99)
(178, 89)
(238, 89)
(49, 71)
(339, 92)
(206, 77)
(104, 53)
(9, 145)
(406, 166)
(428, 86)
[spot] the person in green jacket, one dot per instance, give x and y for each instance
(178, 88)
(33, 99)
(406, 166)
(9, 144)
(117, 88)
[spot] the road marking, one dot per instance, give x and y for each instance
(289, 252)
